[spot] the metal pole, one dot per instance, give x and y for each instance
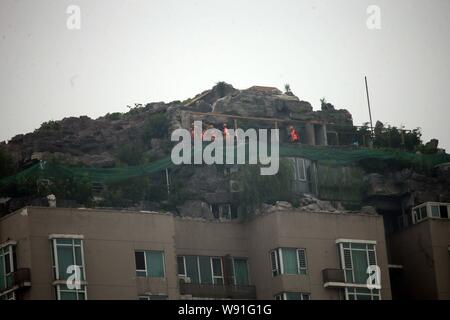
(168, 182)
(368, 103)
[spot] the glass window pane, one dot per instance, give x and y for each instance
(155, 264)
(217, 267)
(360, 266)
(289, 261)
(65, 259)
(293, 296)
(7, 259)
(241, 272)
(180, 265)
(78, 259)
(205, 270)
(2, 274)
(423, 212)
(68, 295)
(435, 211)
(64, 241)
(443, 211)
(361, 246)
(140, 260)
(192, 268)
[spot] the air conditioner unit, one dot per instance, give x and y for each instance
(235, 186)
(185, 279)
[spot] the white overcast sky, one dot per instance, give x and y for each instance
(147, 50)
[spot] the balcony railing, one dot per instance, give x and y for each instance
(333, 278)
(216, 291)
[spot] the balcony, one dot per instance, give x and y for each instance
(22, 278)
(215, 291)
(17, 280)
(333, 278)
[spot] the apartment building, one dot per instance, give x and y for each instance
(286, 254)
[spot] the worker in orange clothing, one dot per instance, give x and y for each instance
(293, 134)
(225, 131)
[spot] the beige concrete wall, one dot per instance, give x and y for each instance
(422, 250)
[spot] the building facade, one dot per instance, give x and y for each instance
(287, 254)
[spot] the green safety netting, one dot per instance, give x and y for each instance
(325, 155)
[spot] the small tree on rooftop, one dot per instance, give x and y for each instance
(287, 88)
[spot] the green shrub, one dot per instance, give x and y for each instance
(258, 189)
(50, 126)
(156, 126)
(131, 154)
(6, 164)
(113, 116)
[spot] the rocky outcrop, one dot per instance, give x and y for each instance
(89, 142)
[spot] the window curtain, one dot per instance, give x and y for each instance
(289, 261)
(155, 264)
(241, 272)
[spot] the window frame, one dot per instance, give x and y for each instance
(147, 270)
(274, 257)
(283, 295)
(346, 245)
(212, 271)
(76, 291)
(234, 270)
(184, 267)
(145, 263)
(280, 263)
(55, 245)
(8, 255)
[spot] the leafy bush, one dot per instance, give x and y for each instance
(6, 164)
(156, 126)
(258, 189)
(113, 116)
(393, 137)
(131, 154)
(49, 126)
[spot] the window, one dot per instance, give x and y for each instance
(430, 209)
(149, 264)
(222, 211)
(181, 264)
(153, 297)
(201, 269)
(299, 167)
(355, 259)
(217, 272)
(288, 261)
(362, 294)
(240, 272)
(67, 252)
(8, 265)
(293, 296)
(64, 293)
(275, 259)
